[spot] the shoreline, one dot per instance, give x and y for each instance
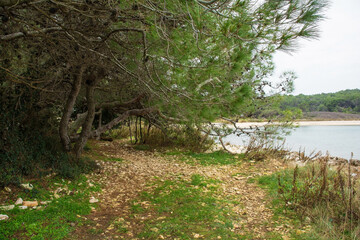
(305, 123)
(329, 123)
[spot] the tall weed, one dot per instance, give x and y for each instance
(329, 197)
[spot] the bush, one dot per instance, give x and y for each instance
(181, 136)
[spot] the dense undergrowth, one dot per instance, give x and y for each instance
(29, 142)
(181, 137)
(35, 156)
(328, 198)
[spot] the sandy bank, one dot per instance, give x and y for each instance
(328, 123)
(304, 123)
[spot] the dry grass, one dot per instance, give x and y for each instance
(329, 197)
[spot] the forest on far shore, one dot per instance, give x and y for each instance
(346, 101)
(342, 105)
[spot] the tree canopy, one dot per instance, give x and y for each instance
(178, 61)
(347, 101)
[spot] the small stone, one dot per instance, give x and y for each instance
(7, 208)
(161, 237)
(91, 185)
(3, 217)
(27, 186)
(23, 207)
(93, 200)
(154, 229)
(196, 235)
(30, 203)
(7, 189)
(19, 201)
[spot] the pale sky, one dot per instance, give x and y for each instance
(332, 62)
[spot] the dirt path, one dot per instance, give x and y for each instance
(123, 181)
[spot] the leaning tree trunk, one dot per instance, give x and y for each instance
(69, 106)
(86, 127)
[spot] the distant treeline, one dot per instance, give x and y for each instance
(347, 101)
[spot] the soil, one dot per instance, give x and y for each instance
(122, 182)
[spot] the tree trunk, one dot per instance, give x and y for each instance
(99, 125)
(86, 127)
(69, 106)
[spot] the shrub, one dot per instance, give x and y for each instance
(181, 136)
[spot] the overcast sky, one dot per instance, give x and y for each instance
(331, 63)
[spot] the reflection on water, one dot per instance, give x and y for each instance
(340, 141)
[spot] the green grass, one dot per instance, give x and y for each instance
(51, 221)
(282, 213)
(205, 159)
(181, 209)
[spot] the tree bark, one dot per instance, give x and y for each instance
(69, 106)
(86, 127)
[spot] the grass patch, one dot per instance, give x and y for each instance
(142, 147)
(57, 219)
(205, 159)
(186, 210)
(316, 195)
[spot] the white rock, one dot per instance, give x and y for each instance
(23, 207)
(93, 200)
(3, 217)
(7, 208)
(27, 186)
(19, 201)
(30, 203)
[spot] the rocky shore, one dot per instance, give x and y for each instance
(298, 158)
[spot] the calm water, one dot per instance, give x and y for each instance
(340, 141)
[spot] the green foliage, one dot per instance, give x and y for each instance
(183, 62)
(324, 196)
(52, 221)
(184, 208)
(347, 101)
